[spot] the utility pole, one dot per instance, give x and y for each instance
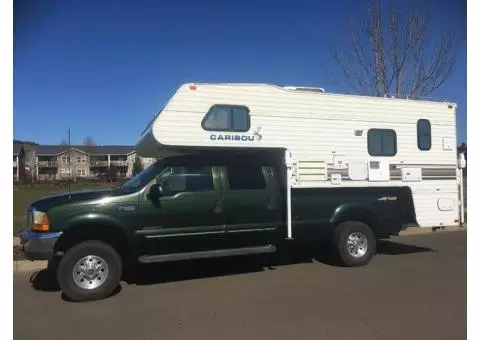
(69, 161)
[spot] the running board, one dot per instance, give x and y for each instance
(206, 254)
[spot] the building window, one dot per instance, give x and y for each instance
(424, 134)
(227, 118)
(382, 142)
(81, 159)
(65, 159)
(246, 177)
(81, 172)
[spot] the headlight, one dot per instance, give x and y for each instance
(40, 221)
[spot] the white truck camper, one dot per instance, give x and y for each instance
(328, 140)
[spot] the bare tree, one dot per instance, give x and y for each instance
(31, 164)
(28, 168)
(89, 141)
(390, 53)
(89, 144)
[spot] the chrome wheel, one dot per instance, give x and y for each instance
(90, 272)
(357, 244)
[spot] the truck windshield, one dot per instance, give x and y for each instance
(141, 179)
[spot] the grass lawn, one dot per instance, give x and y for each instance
(22, 197)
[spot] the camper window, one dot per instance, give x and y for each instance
(227, 118)
(424, 134)
(382, 142)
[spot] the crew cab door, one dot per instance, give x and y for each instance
(188, 216)
(252, 205)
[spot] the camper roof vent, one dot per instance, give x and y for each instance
(305, 88)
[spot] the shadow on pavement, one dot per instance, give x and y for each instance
(393, 248)
(196, 269)
(206, 268)
(45, 281)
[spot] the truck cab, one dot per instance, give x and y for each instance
(193, 204)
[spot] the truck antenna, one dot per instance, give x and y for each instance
(69, 166)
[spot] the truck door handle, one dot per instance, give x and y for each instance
(218, 207)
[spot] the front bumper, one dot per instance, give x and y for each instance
(38, 246)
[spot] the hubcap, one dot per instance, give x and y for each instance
(357, 244)
(90, 272)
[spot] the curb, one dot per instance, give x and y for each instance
(425, 231)
(27, 266)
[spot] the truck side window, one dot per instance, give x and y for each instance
(246, 177)
(178, 179)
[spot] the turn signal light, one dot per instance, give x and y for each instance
(42, 225)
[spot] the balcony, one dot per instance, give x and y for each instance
(99, 163)
(119, 163)
(47, 164)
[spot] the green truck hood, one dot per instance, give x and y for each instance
(46, 203)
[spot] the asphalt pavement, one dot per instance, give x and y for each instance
(415, 288)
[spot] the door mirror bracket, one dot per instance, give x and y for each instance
(156, 191)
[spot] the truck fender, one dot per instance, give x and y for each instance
(356, 212)
(91, 220)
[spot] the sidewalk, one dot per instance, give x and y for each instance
(421, 231)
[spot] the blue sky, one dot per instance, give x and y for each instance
(103, 68)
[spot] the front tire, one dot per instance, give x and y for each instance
(355, 243)
(90, 270)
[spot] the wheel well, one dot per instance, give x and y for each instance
(360, 215)
(93, 232)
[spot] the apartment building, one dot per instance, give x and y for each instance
(56, 162)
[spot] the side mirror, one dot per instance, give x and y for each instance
(156, 191)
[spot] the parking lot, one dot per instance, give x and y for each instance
(415, 288)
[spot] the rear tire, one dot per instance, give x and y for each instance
(355, 243)
(89, 271)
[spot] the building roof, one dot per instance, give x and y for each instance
(48, 150)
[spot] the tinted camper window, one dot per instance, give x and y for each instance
(424, 134)
(227, 118)
(382, 142)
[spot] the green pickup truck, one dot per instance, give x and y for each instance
(202, 206)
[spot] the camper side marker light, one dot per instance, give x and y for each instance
(193, 87)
